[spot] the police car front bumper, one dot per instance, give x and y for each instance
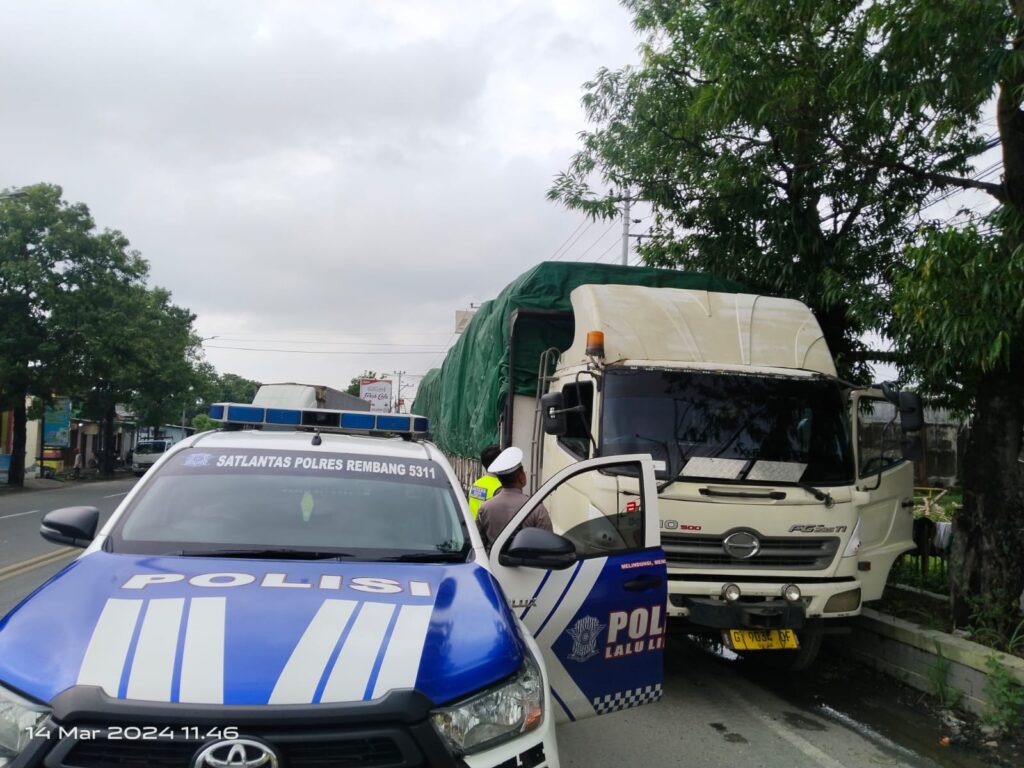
(88, 729)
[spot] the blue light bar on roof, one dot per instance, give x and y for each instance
(320, 418)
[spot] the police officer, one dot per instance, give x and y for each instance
(488, 484)
(495, 513)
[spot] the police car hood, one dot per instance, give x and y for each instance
(231, 631)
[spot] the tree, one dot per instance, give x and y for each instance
(130, 345)
(76, 318)
(793, 145)
(778, 144)
(353, 386)
(49, 259)
(959, 321)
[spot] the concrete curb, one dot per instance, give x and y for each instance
(910, 653)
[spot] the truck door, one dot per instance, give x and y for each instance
(887, 519)
(599, 615)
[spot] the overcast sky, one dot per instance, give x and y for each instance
(328, 176)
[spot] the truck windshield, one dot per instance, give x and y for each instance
(729, 426)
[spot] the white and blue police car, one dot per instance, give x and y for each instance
(306, 588)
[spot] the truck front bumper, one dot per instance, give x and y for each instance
(761, 605)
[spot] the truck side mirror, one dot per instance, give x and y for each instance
(553, 412)
(71, 526)
(911, 412)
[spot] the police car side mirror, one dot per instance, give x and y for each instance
(71, 526)
(538, 548)
(552, 407)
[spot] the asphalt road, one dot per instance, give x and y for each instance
(26, 559)
(717, 712)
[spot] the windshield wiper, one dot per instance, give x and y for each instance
(277, 553)
(822, 496)
(425, 557)
(773, 495)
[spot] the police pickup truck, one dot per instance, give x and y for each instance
(319, 596)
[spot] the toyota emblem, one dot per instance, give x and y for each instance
(741, 545)
(236, 753)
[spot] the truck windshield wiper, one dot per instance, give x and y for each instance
(426, 557)
(276, 553)
(774, 495)
(822, 496)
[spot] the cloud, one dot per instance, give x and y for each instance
(314, 170)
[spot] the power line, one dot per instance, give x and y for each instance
(319, 351)
(331, 343)
(575, 240)
(441, 354)
(392, 334)
(553, 255)
(599, 239)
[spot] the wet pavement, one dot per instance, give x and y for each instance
(722, 711)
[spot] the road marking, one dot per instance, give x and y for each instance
(47, 558)
(115, 495)
(19, 514)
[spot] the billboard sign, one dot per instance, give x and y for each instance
(57, 424)
(377, 392)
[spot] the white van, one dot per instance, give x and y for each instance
(147, 452)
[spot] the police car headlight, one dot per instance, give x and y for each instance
(511, 708)
(17, 718)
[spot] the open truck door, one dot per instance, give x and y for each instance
(886, 475)
(593, 592)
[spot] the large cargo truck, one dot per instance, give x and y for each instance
(779, 513)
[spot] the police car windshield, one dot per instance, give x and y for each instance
(326, 505)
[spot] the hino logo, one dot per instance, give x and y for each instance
(741, 545)
(236, 753)
(817, 528)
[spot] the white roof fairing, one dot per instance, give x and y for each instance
(698, 327)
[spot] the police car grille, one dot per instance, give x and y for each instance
(805, 553)
(365, 752)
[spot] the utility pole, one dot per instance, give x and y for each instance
(626, 201)
(398, 391)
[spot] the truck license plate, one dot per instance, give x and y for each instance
(761, 639)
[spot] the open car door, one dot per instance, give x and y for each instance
(887, 520)
(593, 595)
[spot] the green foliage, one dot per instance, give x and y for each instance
(1004, 697)
(957, 304)
(786, 143)
(76, 315)
(995, 621)
(203, 423)
(938, 677)
(908, 572)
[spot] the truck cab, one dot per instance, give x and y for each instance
(779, 510)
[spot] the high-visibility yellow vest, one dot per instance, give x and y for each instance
(481, 491)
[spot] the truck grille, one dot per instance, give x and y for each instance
(804, 553)
(315, 751)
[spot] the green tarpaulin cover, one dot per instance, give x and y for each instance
(464, 398)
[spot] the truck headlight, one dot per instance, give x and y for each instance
(510, 708)
(17, 717)
(853, 545)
